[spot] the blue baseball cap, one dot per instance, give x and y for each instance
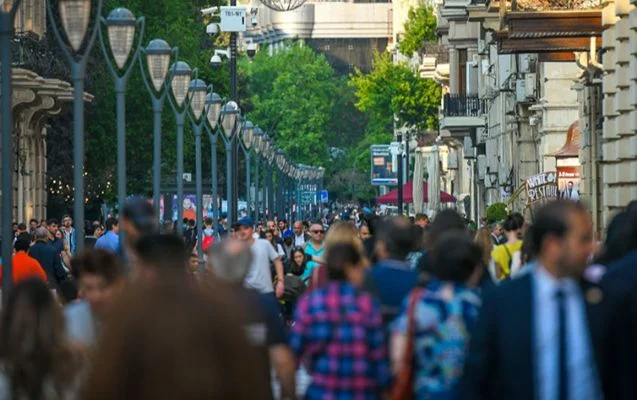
(245, 221)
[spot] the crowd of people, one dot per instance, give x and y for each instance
(371, 307)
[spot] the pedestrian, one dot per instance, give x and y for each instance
(208, 234)
(496, 234)
(24, 266)
(269, 236)
(352, 364)
(524, 346)
(37, 361)
(54, 236)
(283, 228)
(48, 257)
(100, 284)
(314, 249)
(300, 237)
(138, 219)
(363, 232)
(109, 241)
(43, 223)
(172, 341)
(422, 220)
(484, 240)
(447, 220)
(33, 224)
(259, 277)
(392, 277)
(230, 262)
(506, 257)
(431, 334)
(160, 255)
(69, 232)
(298, 261)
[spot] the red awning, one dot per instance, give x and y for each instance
(408, 195)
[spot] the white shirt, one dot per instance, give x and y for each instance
(299, 240)
(259, 276)
(583, 379)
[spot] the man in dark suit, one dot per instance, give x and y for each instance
(48, 257)
(533, 341)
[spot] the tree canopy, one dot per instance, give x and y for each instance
(420, 27)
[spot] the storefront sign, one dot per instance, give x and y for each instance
(382, 171)
(541, 187)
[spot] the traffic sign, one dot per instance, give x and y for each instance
(324, 196)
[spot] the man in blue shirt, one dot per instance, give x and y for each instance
(110, 240)
(392, 277)
(314, 249)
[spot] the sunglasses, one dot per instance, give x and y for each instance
(319, 231)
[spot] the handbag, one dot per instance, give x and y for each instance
(403, 388)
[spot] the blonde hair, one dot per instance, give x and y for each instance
(344, 232)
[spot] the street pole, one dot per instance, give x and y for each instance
(400, 172)
(155, 52)
(117, 18)
(232, 194)
(248, 203)
(264, 187)
(213, 172)
(78, 74)
(229, 180)
(181, 120)
(6, 35)
(257, 203)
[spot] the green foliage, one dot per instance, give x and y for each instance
(496, 212)
(420, 27)
(393, 89)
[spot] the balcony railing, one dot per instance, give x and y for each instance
(463, 105)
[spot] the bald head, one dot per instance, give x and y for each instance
(230, 260)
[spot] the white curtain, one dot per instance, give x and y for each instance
(418, 191)
(433, 190)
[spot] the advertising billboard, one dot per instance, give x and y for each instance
(382, 167)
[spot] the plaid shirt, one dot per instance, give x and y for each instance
(340, 336)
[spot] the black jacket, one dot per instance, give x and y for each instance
(49, 259)
(500, 362)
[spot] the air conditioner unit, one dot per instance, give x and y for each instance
(482, 166)
(452, 160)
(530, 82)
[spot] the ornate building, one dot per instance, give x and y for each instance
(35, 99)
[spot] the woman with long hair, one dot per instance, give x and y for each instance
(36, 361)
(507, 257)
(298, 261)
(484, 240)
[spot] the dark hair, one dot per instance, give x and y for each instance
(421, 217)
(97, 262)
(445, 221)
(398, 235)
(22, 226)
(140, 212)
(513, 222)
(67, 290)
(340, 255)
(621, 237)
(52, 221)
(33, 220)
(21, 245)
(454, 257)
(191, 222)
(110, 223)
(207, 221)
(33, 346)
(171, 324)
(164, 252)
(295, 268)
(552, 220)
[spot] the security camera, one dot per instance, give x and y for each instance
(212, 29)
(254, 20)
(252, 49)
(215, 61)
(208, 11)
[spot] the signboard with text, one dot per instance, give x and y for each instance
(541, 187)
(382, 171)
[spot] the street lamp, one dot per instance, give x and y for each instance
(75, 16)
(197, 93)
(280, 160)
(213, 105)
(247, 135)
(258, 139)
(180, 76)
(229, 116)
(121, 26)
(158, 54)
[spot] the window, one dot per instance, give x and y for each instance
(326, 47)
(350, 47)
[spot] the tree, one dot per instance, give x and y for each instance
(291, 96)
(393, 89)
(351, 184)
(420, 27)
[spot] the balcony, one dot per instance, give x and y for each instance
(462, 112)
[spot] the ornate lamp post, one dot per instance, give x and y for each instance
(213, 104)
(158, 54)
(280, 161)
(75, 16)
(258, 140)
(229, 116)
(121, 26)
(6, 35)
(247, 136)
(197, 93)
(180, 76)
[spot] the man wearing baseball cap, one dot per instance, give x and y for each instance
(259, 276)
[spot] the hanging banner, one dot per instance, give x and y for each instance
(541, 187)
(382, 171)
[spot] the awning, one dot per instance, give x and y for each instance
(408, 195)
